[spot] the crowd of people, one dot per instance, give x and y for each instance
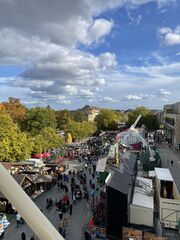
(73, 187)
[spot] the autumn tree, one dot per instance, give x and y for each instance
(15, 109)
(14, 144)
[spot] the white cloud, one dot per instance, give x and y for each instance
(86, 93)
(109, 99)
(133, 97)
(164, 92)
(134, 20)
(164, 99)
(95, 32)
(45, 39)
(169, 36)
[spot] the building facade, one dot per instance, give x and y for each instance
(171, 123)
(92, 113)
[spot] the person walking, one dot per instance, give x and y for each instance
(60, 214)
(18, 219)
(172, 162)
(23, 236)
(70, 208)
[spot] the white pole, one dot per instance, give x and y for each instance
(27, 208)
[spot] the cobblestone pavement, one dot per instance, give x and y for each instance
(76, 223)
(167, 154)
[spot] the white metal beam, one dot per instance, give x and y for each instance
(27, 208)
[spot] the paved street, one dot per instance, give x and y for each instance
(167, 154)
(76, 223)
(79, 219)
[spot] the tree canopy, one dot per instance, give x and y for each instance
(47, 139)
(39, 118)
(15, 109)
(14, 144)
(106, 120)
(148, 118)
(63, 118)
(80, 130)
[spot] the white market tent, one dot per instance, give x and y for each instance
(101, 164)
(142, 207)
(163, 174)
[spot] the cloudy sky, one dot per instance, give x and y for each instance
(107, 53)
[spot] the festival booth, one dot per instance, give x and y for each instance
(98, 221)
(27, 185)
(168, 198)
(119, 188)
(41, 183)
(142, 206)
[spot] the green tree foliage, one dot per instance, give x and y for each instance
(63, 118)
(14, 145)
(121, 117)
(151, 122)
(148, 118)
(15, 109)
(79, 116)
(47, 139)
(106, 120)
(81, 130)
(132, 116)
(39, 118)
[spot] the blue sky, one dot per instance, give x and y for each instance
(109, 53)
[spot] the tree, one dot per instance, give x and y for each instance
(14, 145)
(46, 140)
(148, 119)
(15, 109)
(132, 116)
(106, 120)
(63, 118)
(121, 117)
(80, 130)
(39, 118)
(151, 122)
(79, 116)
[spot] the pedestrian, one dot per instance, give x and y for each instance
(86, 166)
(18, 219)
(87, 235)
(61, 226)
(70, 208)
(32, 238)
(23, 236)
(172, 162)
(65, 222)
(60, 214)
(74, 198)
(88, 206)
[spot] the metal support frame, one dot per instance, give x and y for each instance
(27, 208)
